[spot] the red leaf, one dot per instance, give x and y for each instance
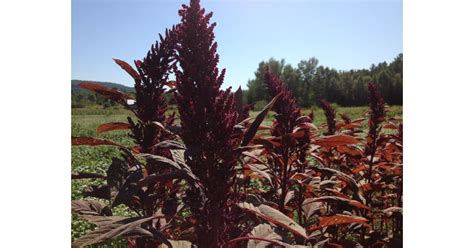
(128, 69)
(358, 120)
(349, 150)
(359, 169)
(78, 141)
(336, 140)
(136, 149)
(171, 84)
(337, 199)
(325, 221)
(298, 134)
(366, 187)
(390, 126)
(358, 204)
(351, 126)
(335, 245)
(252, 130)
(262, 127)
(111, 94)
(112, 126)
(387, 154)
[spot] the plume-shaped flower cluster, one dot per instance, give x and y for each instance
(290, 156)
(154, 72)
(208, 117)
(288, 114)
(377, 105)
(346, 118)
(286, 108)
(330, 114)
(150, 105)
(377, 114)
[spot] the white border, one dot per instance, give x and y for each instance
(438, 171)
(35, 48)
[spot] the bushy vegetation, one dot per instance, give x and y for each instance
(311, 82)
(220, 177)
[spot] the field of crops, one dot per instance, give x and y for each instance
(97, 159)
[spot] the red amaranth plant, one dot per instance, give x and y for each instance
(346, 118)
(150, 91)
(377, 114)
(382, 174)
(295, 186)
(278, 157)
(377, 108)
(291, 132)
(330, 114)
(128, 181)
(285, 151)
(208, 117)
(207, 161)
(286, 108)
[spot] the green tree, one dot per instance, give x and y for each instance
(310, 82)
(307, 70)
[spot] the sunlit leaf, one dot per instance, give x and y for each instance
(77, 141)
(325, 221)
(123, 228)
(111, 94)
(264, 231)
(336, 140)
(112, 126)
(274, 216)
(252, 130)
(126, 67)
(337, 199)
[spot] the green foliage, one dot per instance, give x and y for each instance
(259, 105)
(96, 160)
(310, 82)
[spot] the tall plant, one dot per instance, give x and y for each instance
(208, 116)
(129, 181)
(291, 131)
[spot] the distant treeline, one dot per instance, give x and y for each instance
(310, 82)
(85, 99)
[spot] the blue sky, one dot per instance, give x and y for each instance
(342, 34)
